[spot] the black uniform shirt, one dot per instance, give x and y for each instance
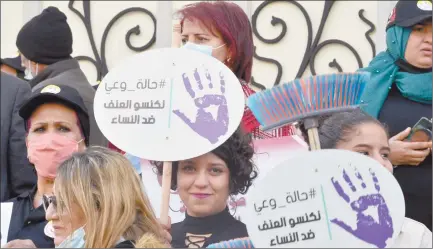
(28, 222)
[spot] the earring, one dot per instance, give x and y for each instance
(232, 203)
(228, 61)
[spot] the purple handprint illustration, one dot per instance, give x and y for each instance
(367, 229)
(205, 125)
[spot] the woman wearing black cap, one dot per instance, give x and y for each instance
(57, 125)
(400, 94)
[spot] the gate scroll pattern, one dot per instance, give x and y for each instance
(100, 60)
(313, 46)
(308, 60)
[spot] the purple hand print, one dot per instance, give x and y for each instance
(205, 125)
(368, 230)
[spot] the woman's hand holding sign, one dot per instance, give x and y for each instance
(205, 125)
(368, 230)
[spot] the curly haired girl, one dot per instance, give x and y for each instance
(204, 184)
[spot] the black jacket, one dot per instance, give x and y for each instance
(17, 174)
(397, 114)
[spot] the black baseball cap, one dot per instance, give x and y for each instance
(408, 13)
(14, 63)
(61, 94)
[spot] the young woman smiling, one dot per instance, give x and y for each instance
(205, 184)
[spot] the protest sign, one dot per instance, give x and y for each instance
(268, 152)
(6, 214)
(169, 104)
(327, 198)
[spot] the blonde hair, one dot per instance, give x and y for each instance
(150, 241)
(107, 189)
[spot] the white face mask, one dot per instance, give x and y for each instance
(28, 72)
(206, 49)
(28, 75)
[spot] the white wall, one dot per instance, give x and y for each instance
(11, 22)
(343, 23)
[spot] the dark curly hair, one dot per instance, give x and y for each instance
(237, 152)
(340, 127)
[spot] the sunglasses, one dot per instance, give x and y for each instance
(47, 200)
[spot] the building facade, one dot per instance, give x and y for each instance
(292, 38)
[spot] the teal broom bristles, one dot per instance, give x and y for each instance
(307, 97)
(235, 243)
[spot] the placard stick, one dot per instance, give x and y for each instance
(176, 36)
(166, 184)
(176, 41)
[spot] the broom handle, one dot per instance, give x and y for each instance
(317, 139)
(313, 136)
(166, 184)
(311, 124)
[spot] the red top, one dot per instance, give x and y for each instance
(113, 147)
(251, 125)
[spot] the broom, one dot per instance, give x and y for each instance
(306, 99)
(234, 243)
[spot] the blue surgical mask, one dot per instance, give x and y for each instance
(75, 240)
(206, 49)
(135, 161)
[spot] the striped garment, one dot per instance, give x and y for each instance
(251, 125)
(234, 243)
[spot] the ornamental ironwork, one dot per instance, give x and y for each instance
(312, 49)
(100, 60)
(313, 46)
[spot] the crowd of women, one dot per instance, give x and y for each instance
(92, 197)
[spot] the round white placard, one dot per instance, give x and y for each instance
(169, 104)
(326, 198)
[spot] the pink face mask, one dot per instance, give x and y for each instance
(48, 151)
